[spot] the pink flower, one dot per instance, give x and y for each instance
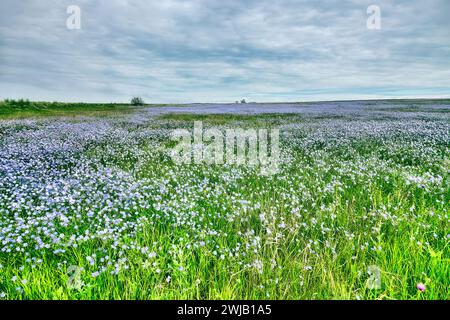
(421, 287)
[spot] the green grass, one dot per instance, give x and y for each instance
(24, 109)
(339, 206)
(235, 119)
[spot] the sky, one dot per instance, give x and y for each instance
(179, 51)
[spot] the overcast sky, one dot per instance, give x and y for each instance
(222, 51)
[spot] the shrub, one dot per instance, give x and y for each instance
(137, 101)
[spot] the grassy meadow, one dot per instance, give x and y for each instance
(25, 109)
(93, 207)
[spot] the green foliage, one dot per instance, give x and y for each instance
(137, 101)
(23, 108)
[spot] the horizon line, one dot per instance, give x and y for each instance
(247, 102)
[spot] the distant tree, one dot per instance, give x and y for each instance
(137, 101)
(243, 101)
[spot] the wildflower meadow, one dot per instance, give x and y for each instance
(93, 206)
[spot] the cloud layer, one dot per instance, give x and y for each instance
(221, 51)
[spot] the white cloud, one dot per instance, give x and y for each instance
(175, 51)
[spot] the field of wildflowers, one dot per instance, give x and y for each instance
(92, 207)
